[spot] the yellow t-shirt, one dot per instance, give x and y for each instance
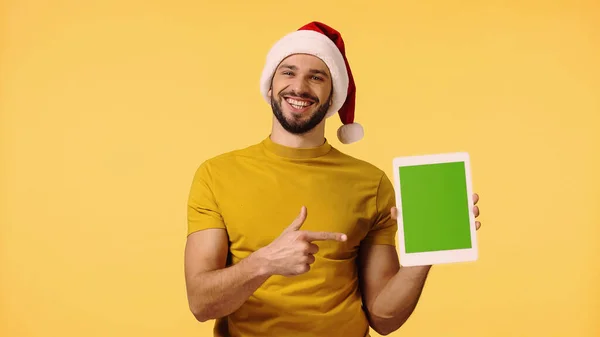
(256, 192)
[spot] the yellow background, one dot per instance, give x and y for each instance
(107, 108)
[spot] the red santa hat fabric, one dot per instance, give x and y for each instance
(326, 43)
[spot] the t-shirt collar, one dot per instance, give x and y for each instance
(295, 153)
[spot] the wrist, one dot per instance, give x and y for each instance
(259, 264)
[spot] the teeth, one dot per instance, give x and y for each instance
(298, 104)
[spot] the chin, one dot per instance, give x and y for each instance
(297, 121)
(299, 115)
(292, 115)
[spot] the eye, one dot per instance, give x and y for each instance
(317, 78)
(287, 73)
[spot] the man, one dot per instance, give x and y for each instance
(291, 237)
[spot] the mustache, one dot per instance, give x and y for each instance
(305, 95)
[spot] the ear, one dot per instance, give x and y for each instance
(270, 92)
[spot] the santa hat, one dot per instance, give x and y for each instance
(325, 43)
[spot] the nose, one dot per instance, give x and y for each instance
(299, 86)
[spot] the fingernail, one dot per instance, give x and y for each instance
(344, 237)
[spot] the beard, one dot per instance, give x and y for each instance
(296, 125)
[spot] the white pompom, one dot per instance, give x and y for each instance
(350, 133)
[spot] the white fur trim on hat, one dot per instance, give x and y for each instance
(313, 43)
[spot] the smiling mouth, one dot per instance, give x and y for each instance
(297, 104)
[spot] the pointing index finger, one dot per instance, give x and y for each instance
(323, 236)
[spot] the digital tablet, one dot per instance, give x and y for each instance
(434, 198)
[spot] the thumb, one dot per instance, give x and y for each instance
(394, 213)
(297, 223)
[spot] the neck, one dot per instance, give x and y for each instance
(313, 138)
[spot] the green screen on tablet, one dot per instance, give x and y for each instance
(434, 212)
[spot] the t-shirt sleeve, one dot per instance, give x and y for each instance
(202, 209)
(383, 231)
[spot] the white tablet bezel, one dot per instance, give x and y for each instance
(437, 257)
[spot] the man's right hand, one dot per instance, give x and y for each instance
(292, 252)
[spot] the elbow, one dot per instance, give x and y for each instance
(201, 313)
(385, 326)
(201, 318)
(384, 330)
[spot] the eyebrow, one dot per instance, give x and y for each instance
(312, 71)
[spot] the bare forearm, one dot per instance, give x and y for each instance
(398, 299)
(218, 293)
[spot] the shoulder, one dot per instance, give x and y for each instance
(365, 171)
(226, 158)
(224, 163)
(361, 166)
